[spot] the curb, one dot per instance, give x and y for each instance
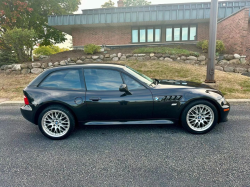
(20, 103)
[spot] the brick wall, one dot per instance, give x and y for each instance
(234, 32)
(102, 35)
(203, 31)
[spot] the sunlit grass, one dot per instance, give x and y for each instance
(233, 85)
(165, 50)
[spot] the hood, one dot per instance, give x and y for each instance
(184, 84)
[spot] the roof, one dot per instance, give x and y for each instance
(150, 14)
(96, 65)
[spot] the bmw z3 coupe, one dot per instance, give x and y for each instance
(113, 94)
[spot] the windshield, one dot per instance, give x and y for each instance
(139, 75)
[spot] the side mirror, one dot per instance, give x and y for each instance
(124, 88)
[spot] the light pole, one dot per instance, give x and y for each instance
(212, 41)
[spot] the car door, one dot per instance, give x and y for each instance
(105, 102)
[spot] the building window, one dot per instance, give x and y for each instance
(177, 33)
(142, 35)
(181, 33)
(193, 32)
(169, 32)
(157, 34)
(135, 35)
(150, 33)
(184, 35)
(174, 33)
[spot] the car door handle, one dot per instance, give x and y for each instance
(95, 98)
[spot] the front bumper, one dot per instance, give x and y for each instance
(225, 109)
(27, 113)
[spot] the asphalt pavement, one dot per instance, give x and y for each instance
(125, 155)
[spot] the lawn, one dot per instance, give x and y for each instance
(231, 84)
(165, 50)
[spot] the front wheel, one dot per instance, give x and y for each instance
(56, 122)
(199, 117)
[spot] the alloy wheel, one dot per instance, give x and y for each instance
(200, 117)
(55, 123)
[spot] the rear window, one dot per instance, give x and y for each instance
(64, 79)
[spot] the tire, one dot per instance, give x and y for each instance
(201, 122)
(56, 122)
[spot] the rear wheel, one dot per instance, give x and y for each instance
(56, 122)
(199, 117)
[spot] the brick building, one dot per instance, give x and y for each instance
(158, 24)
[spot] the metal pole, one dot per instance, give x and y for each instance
(212, 41)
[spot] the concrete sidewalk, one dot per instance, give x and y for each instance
(19, 103)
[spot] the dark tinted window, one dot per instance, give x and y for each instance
(102, 79)
(131, 83)
(65, 79)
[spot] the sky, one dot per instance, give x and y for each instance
(91, 4)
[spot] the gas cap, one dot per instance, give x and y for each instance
(78, 100)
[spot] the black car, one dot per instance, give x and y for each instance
(112, 94)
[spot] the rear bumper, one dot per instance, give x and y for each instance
(27, 113)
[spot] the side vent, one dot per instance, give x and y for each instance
(172, 98)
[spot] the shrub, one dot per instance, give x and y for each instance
(48, 50)
(7, 57)
(21, 41)
(220, 47)
(91, 49)
(199, 44)
(205, 45)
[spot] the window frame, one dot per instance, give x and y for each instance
(163, 34)
(114, 69)
(146, 33)
(180, 26)
(83, 87)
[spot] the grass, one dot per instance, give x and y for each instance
(231, 84)
(165, 50)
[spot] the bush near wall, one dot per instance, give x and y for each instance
(91, 49)
(48, 50)
(204, 44)
(7, 57)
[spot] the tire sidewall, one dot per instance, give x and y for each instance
(189, 106)
(60, 108)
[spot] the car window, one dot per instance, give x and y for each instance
(131, 83)
(102, 79)
(65, 79)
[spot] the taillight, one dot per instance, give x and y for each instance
(26, 101)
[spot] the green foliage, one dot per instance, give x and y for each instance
(7, 57)
(165, 50)
(48, 50)
(136, 3)
(33, 14)
(220, 47)
(21, 41)
(199, 44)
(108, 4)
(204, 46)
(91, 49)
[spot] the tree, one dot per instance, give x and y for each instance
(108, 4)
(136, 3)
(21, 41)
(33, 14)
